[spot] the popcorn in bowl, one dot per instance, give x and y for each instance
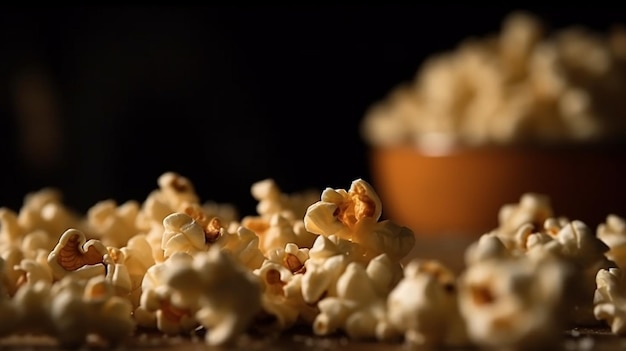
(526, 109)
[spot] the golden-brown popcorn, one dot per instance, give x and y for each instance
(610, 299)
(424, 308)
(74, 255)
(488, 246)
(354, 215)
(515, 303)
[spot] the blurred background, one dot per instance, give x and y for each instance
(100, 101)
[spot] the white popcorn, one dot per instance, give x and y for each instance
(74, 255)
(10, 230)
(271, 200)
(182, 234)
(243, 244)
(532, 208)
(223, 295)
(517, 87)
(353, 215)
(613, 233)
(12, 278)
(423, 306)
(156, 310)
(282, 297)
(35, 270)
(514, 303)
(321, 276)
(357, 308)
(79, 309)
(114, 225)
(488, 246)
(137, 260)
(31, 305)
(610, 299)
(277, 231)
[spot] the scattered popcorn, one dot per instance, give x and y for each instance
(174, 266)
(355, 308)
(114, 225)
(610, 299)
(76, 256)
(613, 233)
(514, 303)
(182, 234)
(353, 215)
(424, 307)
(156, 309)
(223, 295)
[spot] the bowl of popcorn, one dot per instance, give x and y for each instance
(524, 110)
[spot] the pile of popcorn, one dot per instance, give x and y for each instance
(522, 85)
(177, 266)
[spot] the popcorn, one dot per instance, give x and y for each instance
(223, 295)
(79, 309)
(172, 265)
(613, 233)
(282, 297)
(76, 256)
(353, 215)
(514, 303)
(272, 201)
(182, 234)
(278, 231)
(356, 308)
(423, 306)
(156, 309)
(609, 299)
(519, 86)
(243, 244)
(114, 225)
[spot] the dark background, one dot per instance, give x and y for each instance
(99, 101)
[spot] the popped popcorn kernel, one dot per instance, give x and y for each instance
(223, 295)
(182, 234)
(353, 215)
(610, 299)
(514, 303)
(613, 233)
(423, 306)
(76, 255)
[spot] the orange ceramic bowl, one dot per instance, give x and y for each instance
(462, 191)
